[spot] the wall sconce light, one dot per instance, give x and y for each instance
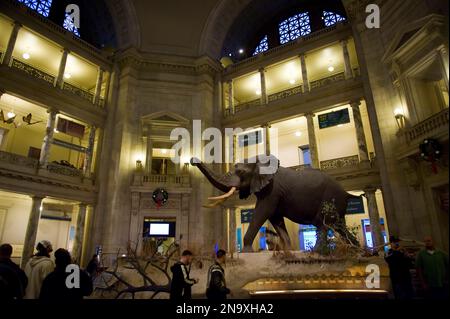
(139, 166)
(400, 118)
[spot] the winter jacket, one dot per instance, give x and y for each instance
(217, 288)
(54, 286)
(180, 288)
(13, 280)
(37, 268)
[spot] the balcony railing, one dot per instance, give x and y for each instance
(247, 105)
(180, 180)
(64, 170)
(326, 81)
(286, 93)
(427, 127)
(36, 73)
(79, 92)
(19, 160)
(342, 162)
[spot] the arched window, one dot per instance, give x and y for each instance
(262, 46)
(69, 25)
(41, 6)
(330, 18)
(294, 27)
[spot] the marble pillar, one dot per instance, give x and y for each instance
(32, 228)
(149, 155)
(306, 87)
(48, 139)
(262, 76)
(59, 81)
(230, 96)
(360, 135)
(347, 64)
(314, 153)
(11, 44)
(232, 230)
(98, 86)
(443, 59)
(89, 152)
(374, 216)
(267, 138)
(79, 233)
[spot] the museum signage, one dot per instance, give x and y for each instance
(355, 206)
(334, 118)
(246, 215)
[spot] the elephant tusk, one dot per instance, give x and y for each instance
(224, 196)
(216, 203)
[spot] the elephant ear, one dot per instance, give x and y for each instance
(265, 169)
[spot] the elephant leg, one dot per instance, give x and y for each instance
(264, 210)
(280, 227)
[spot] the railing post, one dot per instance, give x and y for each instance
(98, 86)
(306, 86)
(11, 43)
(32, 228)
(347, 64)
(89, 152)
(312, 141)
(262, 76)
(360, 135)
(48, 139)
(59, 82)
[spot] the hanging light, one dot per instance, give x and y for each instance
(67, 75)
(400, 118)
(331, 68)
(11, 114)
(26, 56)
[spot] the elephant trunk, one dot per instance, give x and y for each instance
(213, 178)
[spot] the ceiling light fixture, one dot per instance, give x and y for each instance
(292, 81)
(331, 68)
(258, 92)
(11, 114)
(298, 134)
(164, 151)
(26, 55)
(67, 75)
(241, 51)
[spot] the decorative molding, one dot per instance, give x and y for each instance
(343, 162)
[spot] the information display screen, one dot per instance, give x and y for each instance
(334, 118)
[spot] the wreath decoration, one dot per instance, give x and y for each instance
(160, 196)
(431, 151)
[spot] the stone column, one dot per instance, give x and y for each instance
(313, 151)
(375, 228)
(98, 86)
(262, 76)
(59, 82)
(89, 152)
(347, 64)
(306, 87)
(1, 93)
(267, 138)
(11, 44)
(232, 230)
(360, 135)
(149, 156)
(230, 96)
(79, 233)
(48, 139)
(443, 58)
(32, 228)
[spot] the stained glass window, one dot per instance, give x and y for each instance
(331, 18)
(69, 25)
(41, 6)
(262, 46)
(294, 27)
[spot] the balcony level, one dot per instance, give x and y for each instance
(23, 174)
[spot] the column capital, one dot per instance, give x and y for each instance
(17, 24)
(2, 91)
(266, 125)
(65, 50)
(344, 42)
(37, 197)
(370, 189)
(310, 114)
(82, 206)
(355, 103)
(262, 69)
(52, 110)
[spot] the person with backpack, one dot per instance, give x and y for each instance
(217, 288)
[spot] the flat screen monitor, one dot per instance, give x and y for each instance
(159, 229)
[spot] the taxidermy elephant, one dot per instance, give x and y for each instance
(307, 197)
